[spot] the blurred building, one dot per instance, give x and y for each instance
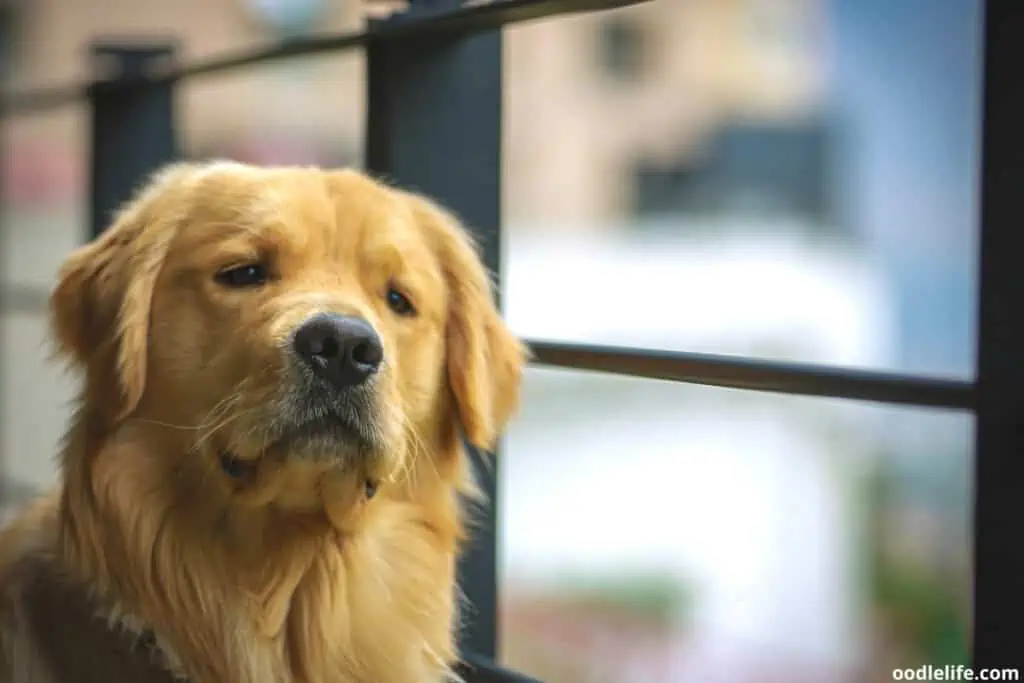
(664, 90)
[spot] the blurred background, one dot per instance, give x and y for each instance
(788, 179)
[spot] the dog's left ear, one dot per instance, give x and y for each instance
(484, 359)
(100, 307)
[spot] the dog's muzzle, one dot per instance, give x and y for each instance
(329, 410)
(331, 407)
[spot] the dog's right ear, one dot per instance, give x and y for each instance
(100, 306)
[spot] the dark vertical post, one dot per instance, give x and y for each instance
(999, 469)
(6, 37)
(133, 131)
(434, 126)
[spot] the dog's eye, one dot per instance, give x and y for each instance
(249, 275)
(399, 303)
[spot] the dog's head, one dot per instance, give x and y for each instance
(287, 322)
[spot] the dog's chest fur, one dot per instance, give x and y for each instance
(319, 624)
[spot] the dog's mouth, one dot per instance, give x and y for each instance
(323, 438)
(327, 427)
(240, 470)
(326, 436)
(245, 471)
(307, 434)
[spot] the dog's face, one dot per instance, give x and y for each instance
(288, 322)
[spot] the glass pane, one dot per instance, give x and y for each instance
(791, 180)
(665, 533)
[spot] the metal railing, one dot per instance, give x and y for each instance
(428, 133)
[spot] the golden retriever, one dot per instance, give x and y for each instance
(264, 479)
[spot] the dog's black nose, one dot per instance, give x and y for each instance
(341, 349)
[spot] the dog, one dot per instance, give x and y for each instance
(264, 480)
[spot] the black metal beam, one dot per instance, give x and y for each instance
(5, 240)
(434, 126)
(758, 375)
(999, 459)
(433, 19)
(20, 298)
(133, 132)
(421, 21)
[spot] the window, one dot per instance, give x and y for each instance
(8, 26)
(750, 168)
(622, 48)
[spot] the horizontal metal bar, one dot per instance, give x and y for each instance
(23, 299)
(42, 100)
(416, 22)
(691, 368)
(746, 373)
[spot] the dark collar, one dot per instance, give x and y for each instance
(76, 644)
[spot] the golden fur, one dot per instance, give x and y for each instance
(291, 573)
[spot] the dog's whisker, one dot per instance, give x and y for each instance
(215, 429)
(215, 420)
(169, 425)
(415, 447)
